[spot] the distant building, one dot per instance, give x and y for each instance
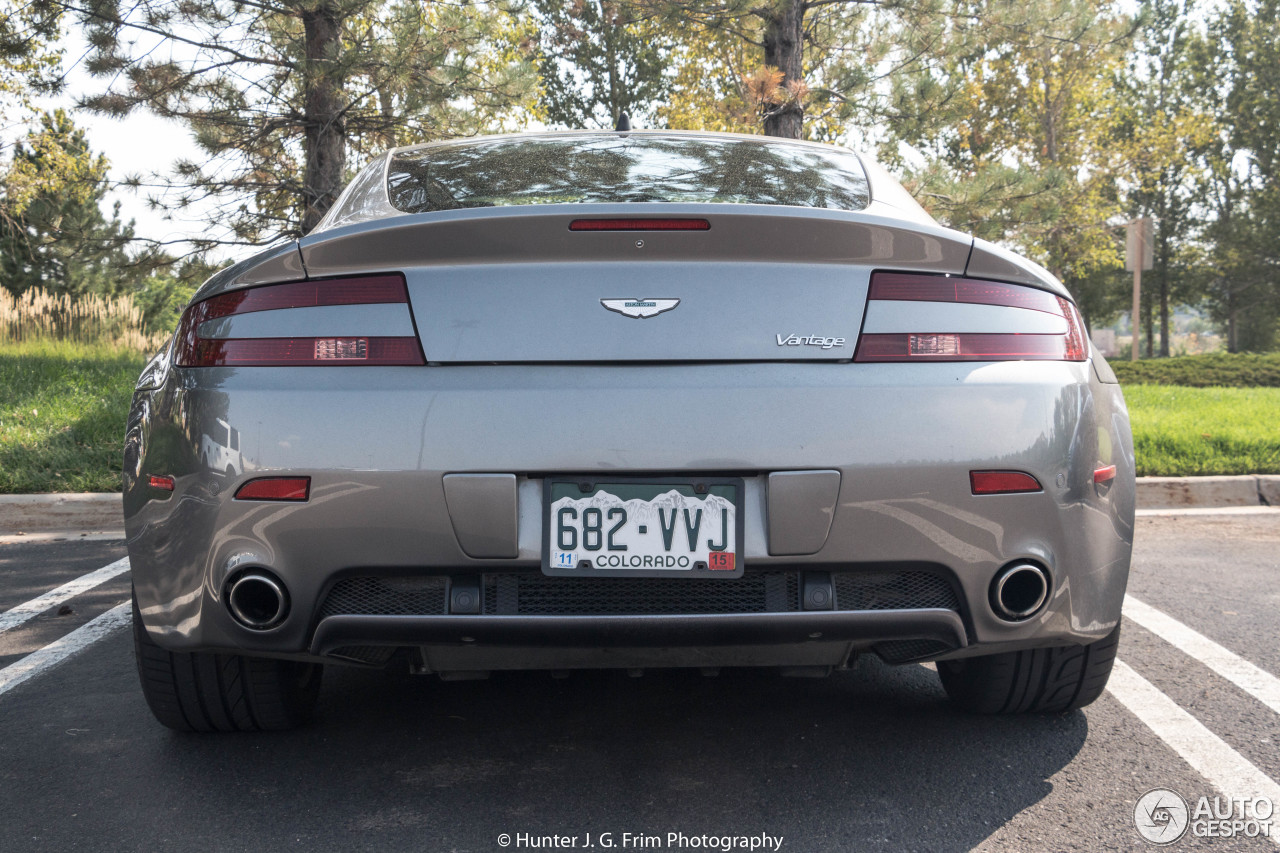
(1104, 341)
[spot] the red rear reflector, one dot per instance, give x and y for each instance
(1104, 475)
(1002, 482)
(165, 483)
(275, 489)
(639, 225)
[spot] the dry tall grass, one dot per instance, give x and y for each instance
(87, 319)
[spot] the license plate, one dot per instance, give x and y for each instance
(679, 527)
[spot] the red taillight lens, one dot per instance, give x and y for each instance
(158, 482)
(301, 352)
(369, 290)
(275, 489)
(639, 225)
(191, 350)
(1075, 346)
(943, 345)
(913, 287)
(1002, 482)
(1104, 475)
(962, 347)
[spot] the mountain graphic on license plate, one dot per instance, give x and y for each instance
(643, 529)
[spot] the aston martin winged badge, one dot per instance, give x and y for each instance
(640, 309)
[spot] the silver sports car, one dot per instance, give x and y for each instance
(625, 399)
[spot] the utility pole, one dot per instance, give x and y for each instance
(1139, 238)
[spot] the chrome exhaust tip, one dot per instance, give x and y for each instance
(1018, 591)
(257, 601)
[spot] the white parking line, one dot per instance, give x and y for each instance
(1209, 755)
(55, 653)
(28, 609)
(1253, 680)
(1208, 510)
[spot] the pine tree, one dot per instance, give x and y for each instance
(283, 94)
(53, 232)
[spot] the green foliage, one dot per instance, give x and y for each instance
(281, 95)
(1164, 130)
(709, 88)
(164, 294)
(29, 59)
(600, 58)
(62, 414)
(53, 233)
(1234, 370)
(1199, 431)
(1238, 76)
(1019, 145)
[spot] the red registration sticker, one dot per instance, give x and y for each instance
(720, 561)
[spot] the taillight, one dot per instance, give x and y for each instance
(946, 345)
(191, 350)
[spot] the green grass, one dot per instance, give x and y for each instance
(1238, 370)
(63, 409)
(1195, 431)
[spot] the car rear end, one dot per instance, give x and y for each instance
(899, 439)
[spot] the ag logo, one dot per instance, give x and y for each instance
(640, 309)
(1161, 816)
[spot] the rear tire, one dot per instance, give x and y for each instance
(1031, 681)
(202, 692)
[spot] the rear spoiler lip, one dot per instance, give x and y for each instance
(746, 233)
(878, 213)
(300, 259)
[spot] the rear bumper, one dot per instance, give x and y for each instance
(708, 630)
(378, 443)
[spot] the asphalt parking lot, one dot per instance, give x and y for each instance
(871, 759)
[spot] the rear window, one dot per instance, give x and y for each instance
(609, 167)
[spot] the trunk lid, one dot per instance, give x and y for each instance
(517, 285)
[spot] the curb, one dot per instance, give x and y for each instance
(20, 514)
(1201, 492)
(78, 512)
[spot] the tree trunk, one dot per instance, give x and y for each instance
(1162, 272)
(1163, 249)
(1151, 327)
(325, 140)
(784, 50)
(1164, 313)
(611, 58)
(1233, 344)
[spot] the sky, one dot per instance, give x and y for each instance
(139, 145)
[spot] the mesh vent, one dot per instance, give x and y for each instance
(901, 651)
(386, 597)
(533, 594)
(893, 591)
(536, 595)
